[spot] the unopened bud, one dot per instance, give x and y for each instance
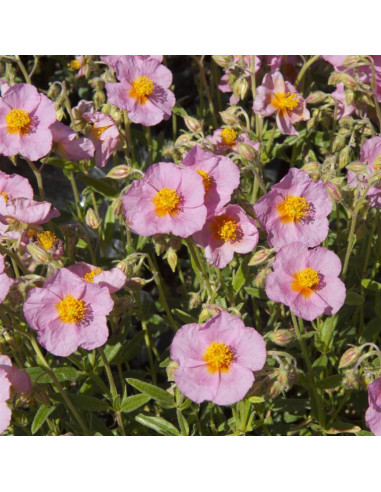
(99, 98)
(192, 124)
(170, 370)
(208, 311)
(260, 279)
(183, 139)
(247, 151)
(240, 87)
(349, 357)
(119, 172)
(54, 91)
(260, 257)
(171, 256)
(91, 219)
(344, 157)
(338, 143)
(351, 61)
(229, 117)
(312, 168)
(316, 97)
(117, 207)
(348, 80)
(135, 283)
(352, 380)
(223, 61)
(334, 192)
(39, 255)
(357, 167)
(281, 337)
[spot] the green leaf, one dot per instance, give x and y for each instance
(158, 424)
(354, 299)
(131, 403)
(255, 292)
(154, 392)
(89, 403)
(238, 280)
(183, 316)
(111, 352)
(330, 382)
(66, 373)
(339, 427)
(42, 414)
(64, 164)
(367, 283)
(105, 186)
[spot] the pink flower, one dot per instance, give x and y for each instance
(68, 312)
(219, 174)
(5, 281)
(25, 118)
(306, 281)
(373, 414)
(26, 211)
(217, 359)
(277, 95)
(336, 60)
(112, 60)
(113, 279)
(371, 154)
(295, 209)
(68, 145)
(343, 109)
(168, 199)
(46, 240)
(142, 90)
(226, 140)
(79, 65)
(226, 233)
(226, 85)
(104, 134)
(10, 378)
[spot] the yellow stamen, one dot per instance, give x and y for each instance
(74, 65)
(284, 101)
(225, 228)
(4, 195)
(228, 136)
(96, 132)
(18, 121)
(89, 276)
(46, 240)
(306, 281)
(142, 87)
(206, 178)
(293, 209)
(71, 310)
(166, 201)
(218, 357)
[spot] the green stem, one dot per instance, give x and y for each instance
(76, 195)
(59, 387)
(200, 63)
(193, 250)
(147, 338)
(304, 68)
(38, 176)
(23, 70)
(312, 388)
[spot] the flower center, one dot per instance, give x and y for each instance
(218, 357)
(18, 121)
(4, 195)
(74, 65)
(46, 240)
(228, 136)
(293, 209)
(225, 228)
(306, 281)
(166, 201)
(206, 178)
(96, 132)
(142, 87)
(284, 101)
(89, 276)
(71, 310)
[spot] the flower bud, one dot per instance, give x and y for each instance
(192, 124)
(119, 172)
(352, 380)
(39, 254)
(54, 91)
(316, 97)
(223, 61)
(281, 337)
(229, 117)
(240, 87)
(171, 257)
(135, 283)
(117, 207)
(344, 157)
(247, 151)
(348, 80)
(91, 219)
(170, 370)
(99, 98)
(260, 279)
(260, 257)
(312, 168)
(351, 61)
(334, 192)
(349, 357)
(357, 167)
